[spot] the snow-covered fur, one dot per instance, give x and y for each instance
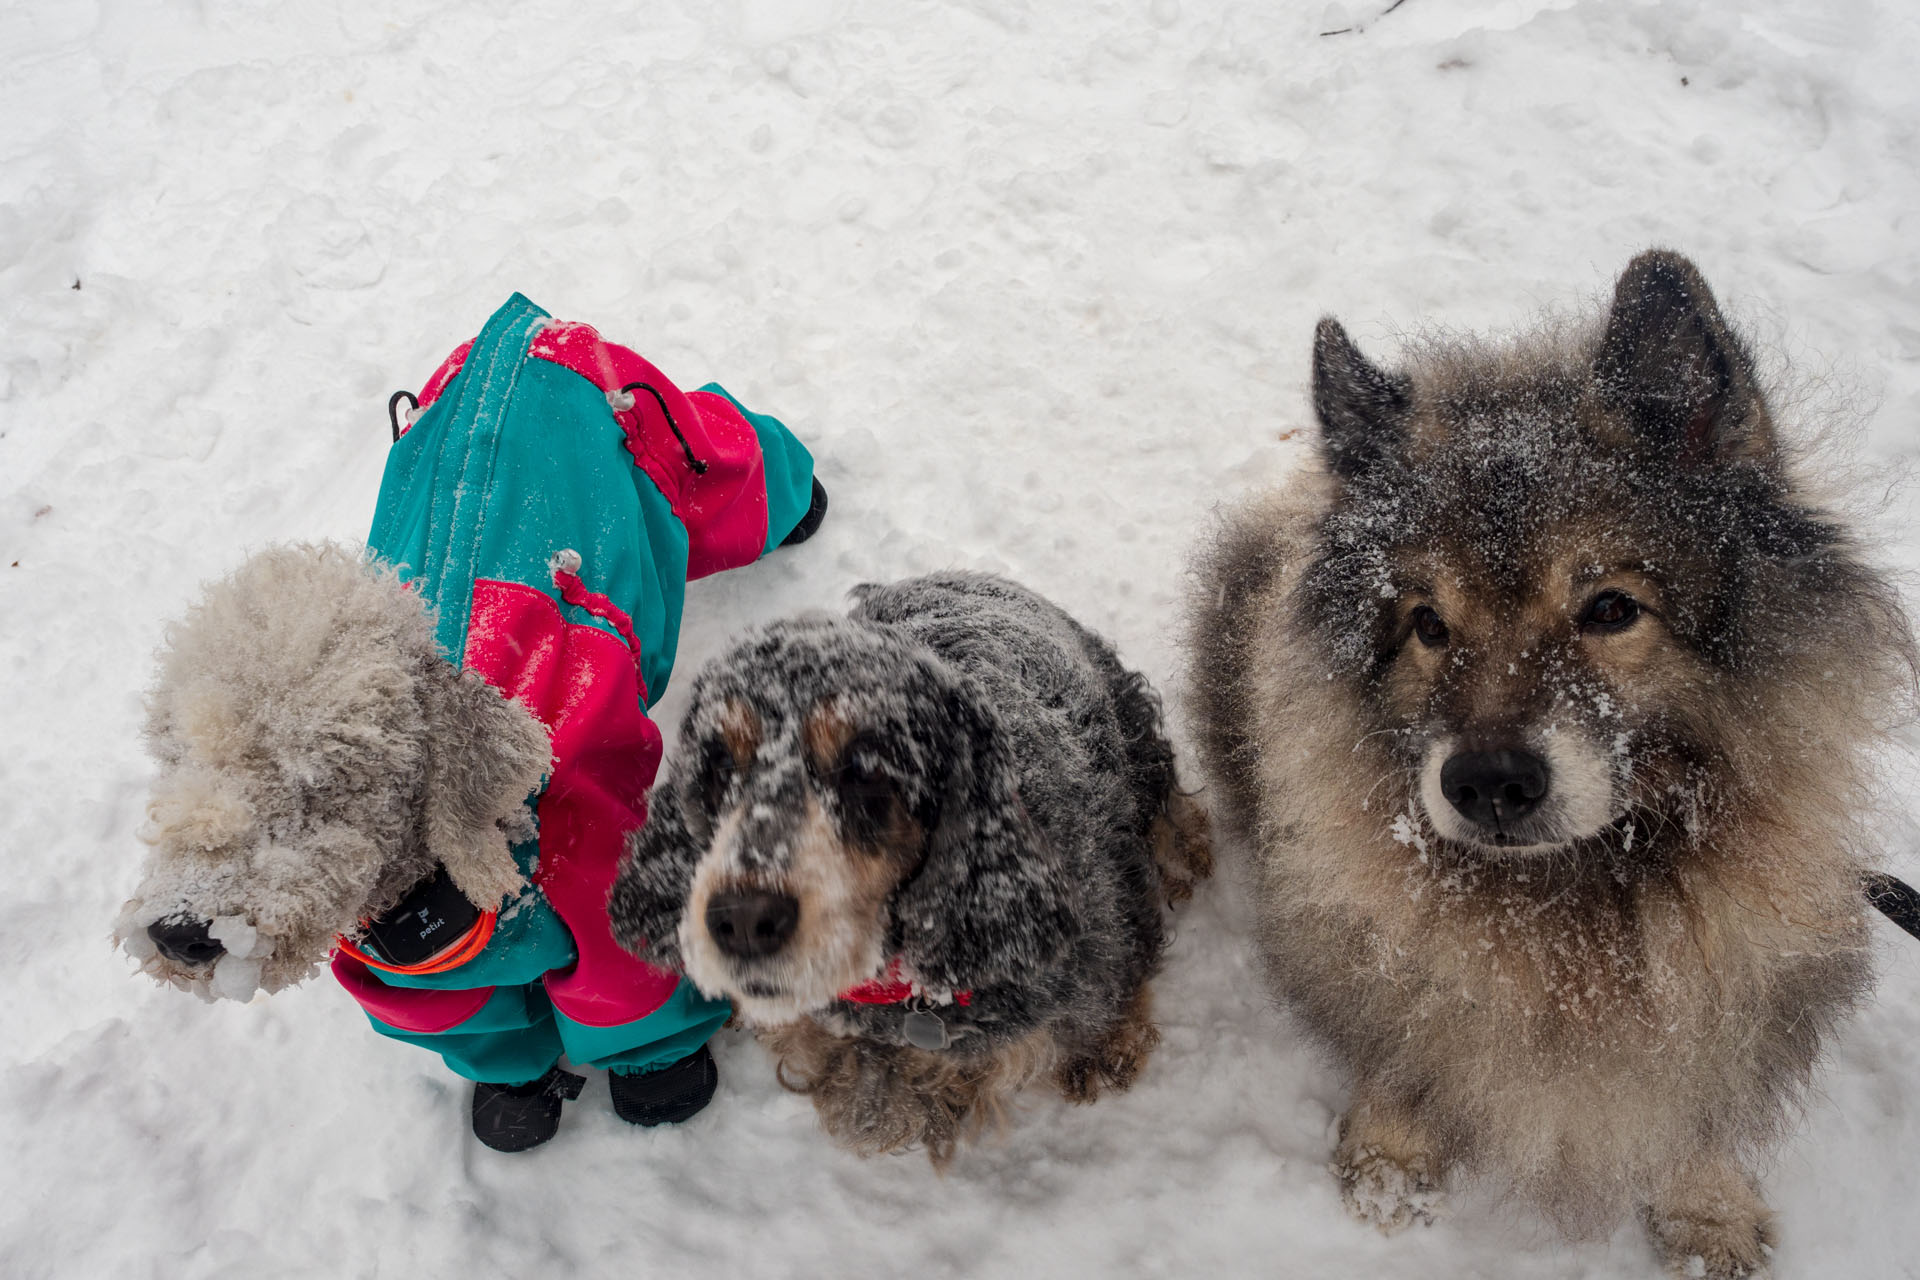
(317, 757)
(957, 781)
(1588, 545)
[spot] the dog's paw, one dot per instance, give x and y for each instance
(1116, 1063)
(881, 1114)
(1735, 1248)
(486, 874)
(1182, 847)
(1387, 1193)
(1712, 1224)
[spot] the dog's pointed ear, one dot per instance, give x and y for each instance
(486, 759)
(1670, 365)
(992, 901)
(655, 880)
(1362, 408)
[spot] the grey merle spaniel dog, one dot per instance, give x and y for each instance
(925, 849)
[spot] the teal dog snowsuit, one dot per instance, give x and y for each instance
(551, 500)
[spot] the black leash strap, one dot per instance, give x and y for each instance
(1897, 900)
(698, 467)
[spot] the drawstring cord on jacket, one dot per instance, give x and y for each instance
(698, 467)
(695, 464)
(564, 565)
(393, 407)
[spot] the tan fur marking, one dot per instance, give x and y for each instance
(1117, 1060)
(1182, 847)
(740, 729)
(826, 734)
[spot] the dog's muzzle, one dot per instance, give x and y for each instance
(750, 924)
(186, 941)
(1494, 790)
(1521, 796)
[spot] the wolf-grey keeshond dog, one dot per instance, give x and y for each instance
(1544, 705)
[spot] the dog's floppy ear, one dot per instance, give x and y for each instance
(655, 879)
(487, 755)
(992, 900)
(1362, 408)
(1670, 365)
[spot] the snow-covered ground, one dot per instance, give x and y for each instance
(1036, 281)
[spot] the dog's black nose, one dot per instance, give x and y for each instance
(1494, 788)
(185, 941)
(751, 922)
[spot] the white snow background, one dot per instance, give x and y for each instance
(1036, 282)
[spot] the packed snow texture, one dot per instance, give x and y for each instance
(1037, 283)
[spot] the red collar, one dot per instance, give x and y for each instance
(892, 988)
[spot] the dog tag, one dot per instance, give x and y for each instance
(924, 1030)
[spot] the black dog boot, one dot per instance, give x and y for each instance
(666, 1096)
(816, 512)
(515, 1117)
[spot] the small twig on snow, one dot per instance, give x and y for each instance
(1363, 26)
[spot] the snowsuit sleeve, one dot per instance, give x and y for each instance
(737, 481)
(771, 485)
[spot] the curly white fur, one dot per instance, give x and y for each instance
(317, 757)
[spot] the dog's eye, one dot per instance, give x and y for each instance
(717, 771)
(1610, 611)
(1427, 625)
(866, 795)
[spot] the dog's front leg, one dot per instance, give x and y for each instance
(1711, 1222)
(1389, 1165)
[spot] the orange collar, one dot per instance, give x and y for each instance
(452, 956)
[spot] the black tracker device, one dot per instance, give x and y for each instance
(432, 917)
